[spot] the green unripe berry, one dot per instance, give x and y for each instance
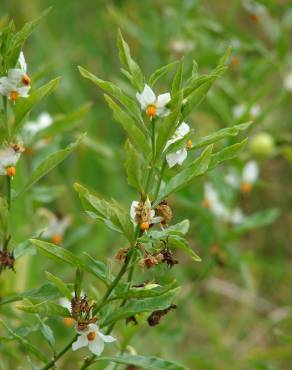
(262, 145)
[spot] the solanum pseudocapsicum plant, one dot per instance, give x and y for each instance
(163, 156)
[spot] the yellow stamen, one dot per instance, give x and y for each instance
(10, 171)
(189, 144)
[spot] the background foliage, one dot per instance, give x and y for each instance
(234, 310)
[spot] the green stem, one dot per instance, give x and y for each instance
(8, 192)
(60, 354)
(5, 115)
(160, 179)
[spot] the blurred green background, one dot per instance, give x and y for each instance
(234, 309)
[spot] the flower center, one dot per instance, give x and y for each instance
(91, 336)
(14, 95)
(246, 187)
(26, 80)
(57, 239)
(10, 171)
(151, 111)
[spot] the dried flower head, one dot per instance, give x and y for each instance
(156, 316)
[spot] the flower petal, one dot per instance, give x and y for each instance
(96, 346)
(176, 158)
(106, 338)
(134, 205)
(81, 341)
(147, 97)
(183, 129)
(250, 172)
(162, 100)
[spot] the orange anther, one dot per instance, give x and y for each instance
(151, 111)
(26, 80)
(14, 95)
(189, 144)
(91, 336)
(144, 226)
(10, 171)
(246, 187)
(57, 239)
(68, 321)
(206, 203)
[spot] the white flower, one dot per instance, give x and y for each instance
(218, 209)
(153, 105)
(181, 46)
(288, 81)
(246, 179)
(180, 155)
(241, 109)
(8, 158)
(56, 226)
(31, 128)
(93, 338)
(143, 214)
(17, 83)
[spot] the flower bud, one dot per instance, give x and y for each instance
(262, 145)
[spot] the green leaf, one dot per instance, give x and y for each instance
(78, 281)
(177, 81)
(60, 285)
(46, 291)
(125, 291)
(183, 244)
(142, 305)
(24, 106)
(134, 167)
(226, 154)
(126, 59)
(219, 135)
(160, 73)
(47, 165)
(27, 345)
(56, 253)
(115, 92)
(147, 363)
(111, 214)
(46, 308)
(47, 333)
(137, 137)
(64, 122)
(16, 43)
(185, 176)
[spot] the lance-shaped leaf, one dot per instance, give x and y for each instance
(45, 292)
(26, 344)
(46, 308)
(24, 106)
(226, 154)
(135, 73)
(138, 306)
(177, 81)
(136, 135)
(60, 285)
(147, 363)
(115, 92)
(184, 177)
(16, 43)
(110, 213)
(160, 73)
(47, 165)
(65, 122)
(182, 243)
(125, 291)
(220, 134)
(134, 167)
